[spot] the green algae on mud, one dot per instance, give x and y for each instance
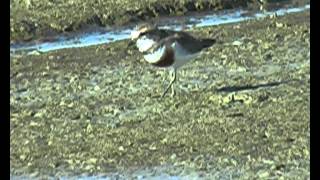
(242, 106)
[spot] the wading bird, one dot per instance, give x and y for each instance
(168, 48)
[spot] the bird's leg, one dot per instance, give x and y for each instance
(173, 74)
(174, 77)
(172, 90)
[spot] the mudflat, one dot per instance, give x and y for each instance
(241, 109)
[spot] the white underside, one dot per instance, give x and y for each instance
(144, 44)
(181, 56)
(155, 56)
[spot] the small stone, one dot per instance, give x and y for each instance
(70, 105)
(69, 161)
(89, 128)
(92, 160)
(34, 124)
(237, 43)
(263, 174)
(50, 143)
(89, 167)
(62, 103)
(152, 147)
(121, 148)
(45, 73)
(164, 140)
(173, 156)
(96, 88)
(279, 25)
(39, 114)
(23, 157)
(266, 161)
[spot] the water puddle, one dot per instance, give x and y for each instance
(111, 36)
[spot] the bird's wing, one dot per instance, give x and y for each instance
(165, 42)
(160, 49)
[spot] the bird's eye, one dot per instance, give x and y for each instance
(142, 33)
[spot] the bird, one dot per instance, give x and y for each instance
(167, 48)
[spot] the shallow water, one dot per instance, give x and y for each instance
(111, 36)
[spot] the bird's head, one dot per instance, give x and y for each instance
(141, 29)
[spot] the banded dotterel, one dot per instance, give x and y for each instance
(168, 48)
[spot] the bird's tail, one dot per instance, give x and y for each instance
(207, 42)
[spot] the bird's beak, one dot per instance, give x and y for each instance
(134, 34)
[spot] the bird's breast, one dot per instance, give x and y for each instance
(144, 43)
(161, 57)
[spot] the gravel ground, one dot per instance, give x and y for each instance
(241, 110)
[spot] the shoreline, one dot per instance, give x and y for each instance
(43, 20)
